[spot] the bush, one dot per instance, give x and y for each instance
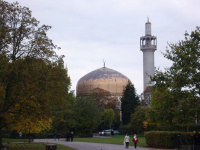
(167, 139)
(194, 127)
(175, 128)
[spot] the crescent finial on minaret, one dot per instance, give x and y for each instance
(104, 63)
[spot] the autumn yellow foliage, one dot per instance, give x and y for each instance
(29, 118)
(145, 124)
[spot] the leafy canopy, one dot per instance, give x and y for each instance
(31, 77)
(176, 95)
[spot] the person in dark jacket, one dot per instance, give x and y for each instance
(68, 136)
(196, 141)
(55, 135)
(72, 136)
(58, 135)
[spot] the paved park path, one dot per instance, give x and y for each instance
(88, 146)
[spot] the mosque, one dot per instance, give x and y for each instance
(114, 81)
(103, 78)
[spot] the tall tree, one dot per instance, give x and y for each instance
(161, 113)
(138, 118)
(108, 116)
(181, 80)
(21, 34)
(38, 90)
(87, 115)
(129, 102)
(22, 38)
(63, 102)
(106, 101)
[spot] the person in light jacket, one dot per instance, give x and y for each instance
(126, 140)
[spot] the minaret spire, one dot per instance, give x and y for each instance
(148, 45)
(104, 63)
(148, 27)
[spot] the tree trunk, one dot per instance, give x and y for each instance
(187, 128)
(29, 137)
(1, 134)
(1, 141)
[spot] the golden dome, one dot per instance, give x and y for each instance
(104, 78)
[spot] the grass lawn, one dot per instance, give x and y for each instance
(117, 139)
(35, 146)
(14, 140)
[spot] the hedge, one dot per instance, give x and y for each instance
(175, 128)
(168, 139)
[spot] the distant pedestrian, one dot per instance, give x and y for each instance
(135, 140)
(55, 135)
(196, 141)
(126, 140)
(72, 136)
(58, 136)
(68, 136)
(20, 135)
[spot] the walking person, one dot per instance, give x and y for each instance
(135, 140)
(68, 136)
(55, 135)
(72, 136)
(196, 141)
(58, 135)
(20, 135)
(126, 140)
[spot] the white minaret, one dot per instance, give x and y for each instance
(148, 45)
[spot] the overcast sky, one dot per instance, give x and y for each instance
(89, 31)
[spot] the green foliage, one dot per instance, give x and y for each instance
(87, 115)
(21, 35)
(162, 110)
(28, 94)
(32, 77)
(176, 94)
(167, 139)
(63, 102)
(108, 116)
(129, 101)
(138, 119)
(64, 115)
(37, 90)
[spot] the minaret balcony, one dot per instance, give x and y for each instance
(148, 47)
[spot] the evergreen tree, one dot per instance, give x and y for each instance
(129, 101)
